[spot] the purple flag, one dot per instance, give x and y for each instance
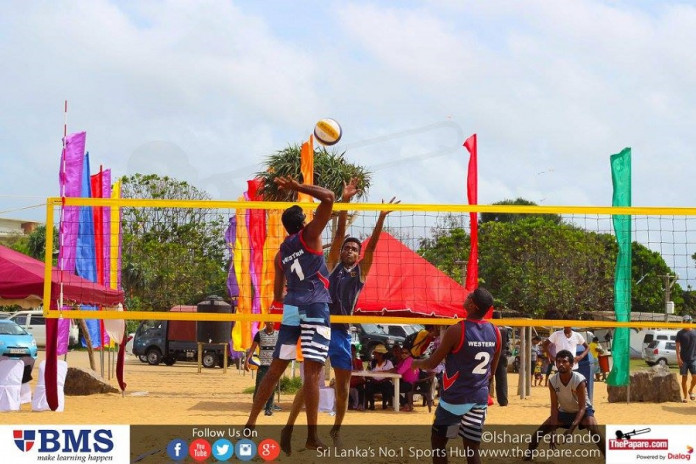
(70, 180)
(70, 184)
(230, 238)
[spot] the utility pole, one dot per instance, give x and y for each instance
(669, 281)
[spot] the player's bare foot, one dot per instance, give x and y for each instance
(314, 444)
(286, 440)
(336, 437)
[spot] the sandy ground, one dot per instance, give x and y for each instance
(179, 395)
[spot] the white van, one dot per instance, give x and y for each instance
(649, 335)
(33, 321)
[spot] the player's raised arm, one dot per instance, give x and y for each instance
(312, 231)
(349, 191)
(366, 262)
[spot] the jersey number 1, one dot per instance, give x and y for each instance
(297, 269)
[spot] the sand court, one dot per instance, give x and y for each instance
(178, 395)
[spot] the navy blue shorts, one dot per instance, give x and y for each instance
(339, 350)
(566, 418)
(689, 366)
(310, 324)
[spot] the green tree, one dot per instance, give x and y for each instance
(647, 291)
(331, 170)
(534, 265)
(512, 217)
(537, 264)
(448, 248)
(34, 244)
(170, 255)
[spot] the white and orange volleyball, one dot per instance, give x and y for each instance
(328, 131)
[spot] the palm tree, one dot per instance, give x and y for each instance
(331, 170)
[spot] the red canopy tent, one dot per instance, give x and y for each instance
(402, 283)
(22, 282)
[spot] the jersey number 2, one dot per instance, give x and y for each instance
(484, 358)
(297, 269)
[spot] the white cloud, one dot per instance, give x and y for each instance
(551, 88)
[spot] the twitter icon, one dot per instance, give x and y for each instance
(223, 449)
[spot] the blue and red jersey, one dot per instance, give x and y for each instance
(306, 274)
(468, 366)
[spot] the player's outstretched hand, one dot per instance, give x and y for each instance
(350, 189)
(393, 201)
(286, 183)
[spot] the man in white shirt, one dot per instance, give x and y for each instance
(565, 339)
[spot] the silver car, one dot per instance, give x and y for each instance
(660, 352)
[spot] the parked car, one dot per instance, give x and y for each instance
(662, 352)
(402, 330)
(33, 321)
(15, 341)
(367, 336)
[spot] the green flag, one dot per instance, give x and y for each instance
(620, 350)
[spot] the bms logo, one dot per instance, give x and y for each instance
(24, 439)
(66, 441)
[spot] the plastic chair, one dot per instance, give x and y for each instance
(40, 402)
(425, 387)
(11, 371)
(25, 393)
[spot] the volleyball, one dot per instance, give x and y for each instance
(254, 362)
(328, 131)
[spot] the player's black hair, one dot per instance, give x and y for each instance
(293, 219)
(354, 240)
(482, 298)
(566, 354)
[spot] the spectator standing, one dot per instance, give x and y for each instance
(265, 339)
(566, 339)
(595, 350)
(686, 358)
(534, 358)
(501, 383)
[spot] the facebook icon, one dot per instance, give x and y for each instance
(177, 449)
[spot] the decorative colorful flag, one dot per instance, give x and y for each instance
(85, 257)
(115, 231)
(472, 194)
(621, 181)
(231, 238)
(241, 332)
(70, 180)
(307, 170)
(70, 184)
(106, 228)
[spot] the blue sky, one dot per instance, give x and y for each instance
(204, 90)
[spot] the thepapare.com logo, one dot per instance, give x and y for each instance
(79, 444)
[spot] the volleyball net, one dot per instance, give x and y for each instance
(545, 266)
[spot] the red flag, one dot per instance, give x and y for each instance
(472, 194)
